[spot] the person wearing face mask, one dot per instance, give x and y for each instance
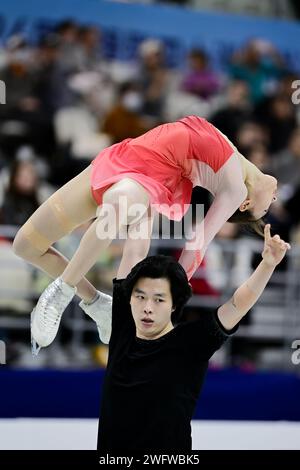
(125, 119)
(121, 190)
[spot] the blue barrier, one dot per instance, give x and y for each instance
(227, 394)
(125, 25)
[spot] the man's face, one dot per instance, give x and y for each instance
(152, 306)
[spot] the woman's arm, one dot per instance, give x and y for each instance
(249, 292)
(231, 193)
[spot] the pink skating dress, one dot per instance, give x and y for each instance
(168, 161)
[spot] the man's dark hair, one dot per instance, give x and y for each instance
(161, 266)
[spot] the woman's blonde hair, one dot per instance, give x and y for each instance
(246, 219)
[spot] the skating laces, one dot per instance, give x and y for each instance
(53, 304)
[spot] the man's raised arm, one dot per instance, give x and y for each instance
(249, 292)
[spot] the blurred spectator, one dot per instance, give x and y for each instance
(21, 198)
(259, 156)
(89, 48)
(24, 117)
(285, 86)
(67, 32)
(236, 111)
(88, 77)
(61, 53)
(200, 80)
(260, 65)
(279, 118)
(286, 164)
(250, 134)
(285, 89)
(124, 119)
(19, 77)
(292, 207)
(49, 76)
(153, 77)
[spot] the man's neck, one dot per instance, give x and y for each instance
(166, 330)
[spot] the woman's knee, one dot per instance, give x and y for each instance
(29, 243)
(19, 246)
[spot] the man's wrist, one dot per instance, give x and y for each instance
(268, 265)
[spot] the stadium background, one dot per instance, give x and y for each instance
(79, 76)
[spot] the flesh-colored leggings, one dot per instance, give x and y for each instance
(69, 207)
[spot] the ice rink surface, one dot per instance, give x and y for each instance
(80, 434)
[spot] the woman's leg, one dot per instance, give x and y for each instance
(66, 209)
(120, 202)
(69, 207)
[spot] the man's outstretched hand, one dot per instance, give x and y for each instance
(274, 248)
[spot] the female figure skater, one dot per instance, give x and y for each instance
(157, 169)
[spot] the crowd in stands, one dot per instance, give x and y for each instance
(65, 102)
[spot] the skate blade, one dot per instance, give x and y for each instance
(35, 348)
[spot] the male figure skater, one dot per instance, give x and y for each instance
(156, 365)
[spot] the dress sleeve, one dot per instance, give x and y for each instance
(230, 194)
(203, 337)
